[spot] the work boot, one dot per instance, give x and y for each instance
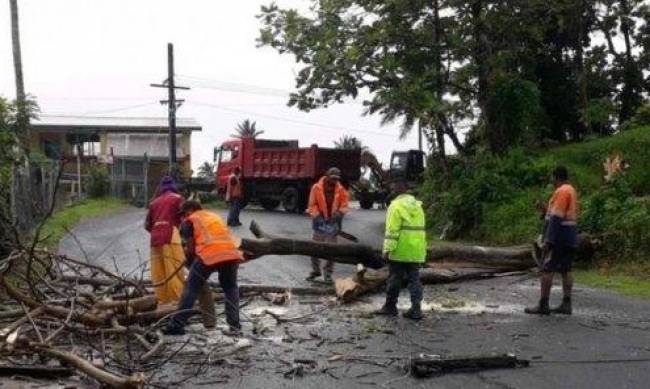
(233, 331)
(541, 308)
(173, 330)
(564, 308)
(313, 275)
(414, 313)
(386, 310)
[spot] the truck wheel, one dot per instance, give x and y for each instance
(366, 199)
(366, 203)
(291, 200)
(269, 204)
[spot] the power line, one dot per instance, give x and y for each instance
(206, 83)
(117, 109)
(289, 120)
(74, 98)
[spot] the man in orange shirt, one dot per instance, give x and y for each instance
(560, 239)
(328, 202)
(234, 193)
(209, 247)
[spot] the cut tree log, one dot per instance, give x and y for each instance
(48, 372)
(349, 288)
(429, 365)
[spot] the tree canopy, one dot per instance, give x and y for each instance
(505, 72)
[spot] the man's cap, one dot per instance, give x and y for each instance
(167, 184)
(333, 172)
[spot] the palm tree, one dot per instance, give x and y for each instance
(246, 129)
(206, 171)
(348, 142)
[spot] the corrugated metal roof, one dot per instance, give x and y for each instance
(110, 123)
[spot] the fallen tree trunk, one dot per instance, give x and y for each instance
(513, 257)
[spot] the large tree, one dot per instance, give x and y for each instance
(393, 55)
(629, 20)
(509, 72)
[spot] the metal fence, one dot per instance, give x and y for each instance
(130, 179)
(32, 194)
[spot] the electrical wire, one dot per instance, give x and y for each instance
(289, 120)
(206, 83)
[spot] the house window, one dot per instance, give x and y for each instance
(51, 149)
(88, 149)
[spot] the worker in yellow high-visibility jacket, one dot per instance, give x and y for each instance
(405, 249)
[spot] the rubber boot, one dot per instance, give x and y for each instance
(414, 313)
(386, 310)
(173, 329)
(564, 308)
(313, 275)
(541, 308)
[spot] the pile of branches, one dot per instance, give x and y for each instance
(105, 330)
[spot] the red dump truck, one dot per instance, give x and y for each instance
(278, 172)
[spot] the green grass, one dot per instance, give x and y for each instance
(55, 227)
(515, 220)
(618, 281)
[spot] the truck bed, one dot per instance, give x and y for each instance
(291, 163)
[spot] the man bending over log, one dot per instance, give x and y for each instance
(560, 239)
(405, 250)
(210, 247)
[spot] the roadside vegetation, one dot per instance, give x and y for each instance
(491, 199)
(56, 227)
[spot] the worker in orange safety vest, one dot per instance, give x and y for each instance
(210, 247)
(328, 203)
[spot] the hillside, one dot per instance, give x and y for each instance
(491, 199)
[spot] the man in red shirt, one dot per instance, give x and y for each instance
(167, 255)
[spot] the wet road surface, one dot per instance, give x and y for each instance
(605, 344)
(120, 241)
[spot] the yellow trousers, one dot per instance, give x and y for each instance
(165, 263)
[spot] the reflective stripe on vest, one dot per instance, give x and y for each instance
(214, 244)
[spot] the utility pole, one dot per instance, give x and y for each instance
(172, 105)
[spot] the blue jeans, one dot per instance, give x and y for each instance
(199, 274)
(233, 212)
(397, 271)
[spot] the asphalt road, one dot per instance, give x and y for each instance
(120, 241)
(605, 344)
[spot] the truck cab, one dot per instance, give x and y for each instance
(407, 165)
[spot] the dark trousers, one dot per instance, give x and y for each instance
(199, 274)
(397, 271)
(315, 261)
(234, 207)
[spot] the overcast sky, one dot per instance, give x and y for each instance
(97, 57)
